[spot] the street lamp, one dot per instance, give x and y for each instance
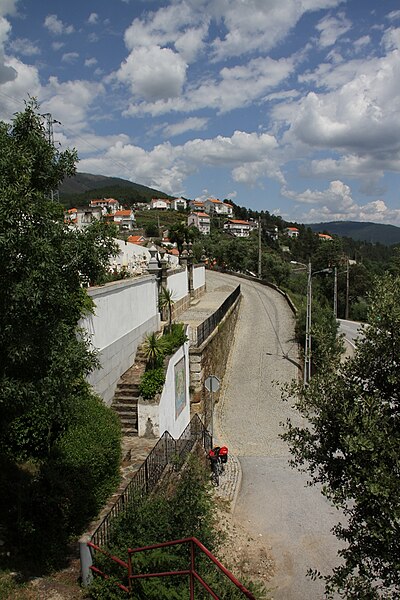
(307, 346)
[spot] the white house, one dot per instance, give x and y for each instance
(125, 219)
(197, 205)
(200, 220)
(217, 207)
(109, 205)
(179, 204)
(239, 228)
(83, 216)
(292, 232)
(160, 203)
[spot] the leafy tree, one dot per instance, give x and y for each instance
(181, 233)
(351, 445)
(152, 230)
(43, 362)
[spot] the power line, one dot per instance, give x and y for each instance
(70, 131)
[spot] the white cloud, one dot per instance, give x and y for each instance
(93, 18)
(331, 28)
(394, 15)
(70, 57)
(236, 87)
(90, 62)
(7, 72)
(336, 203)
(57, 45)
(153, 73)
(191, 124)
(56, 26)
(8, 7)
(257, 25)
(360, 44)
(166, 166)
(177, 24)
(25, 82)
(356, 116)
(69, 101)
(25, 47)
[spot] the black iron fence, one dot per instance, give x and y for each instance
(207, 327)
(166, 452)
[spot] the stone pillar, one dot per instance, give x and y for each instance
(183, 259)
(153, 267)
(86, 557)
(190, 271)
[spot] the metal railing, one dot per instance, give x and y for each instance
(207, 327)
(149, 473)
(190, 571)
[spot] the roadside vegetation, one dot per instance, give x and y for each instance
(183, 507)
(351, 445)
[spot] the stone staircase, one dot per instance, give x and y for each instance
(126, 396)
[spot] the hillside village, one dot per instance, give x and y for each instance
(201, 215)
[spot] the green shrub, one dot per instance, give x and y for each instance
(58, 498)
(174, 338)
(88, 456)
(152, 383)
(188, 510)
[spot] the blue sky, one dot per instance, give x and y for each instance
(290, 106)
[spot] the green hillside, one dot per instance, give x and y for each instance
(81, 188)
(373, 233)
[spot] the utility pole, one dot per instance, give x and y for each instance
(346, 316)
(259, 249)
(307, 347)
(335, 293)
(50, 138)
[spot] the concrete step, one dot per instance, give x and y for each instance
(121, 407)
(129, 431)
(125, 399)
(132, 390)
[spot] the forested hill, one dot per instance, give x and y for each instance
(84, 186)
(363, 232)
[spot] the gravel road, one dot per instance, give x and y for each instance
(274, 500)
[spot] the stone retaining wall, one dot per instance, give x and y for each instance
(210, 359)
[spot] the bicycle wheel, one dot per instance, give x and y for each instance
(215, 474)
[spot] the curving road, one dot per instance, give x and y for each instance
(274, 501)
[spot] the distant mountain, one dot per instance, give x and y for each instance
(365, 232)
(85, 186)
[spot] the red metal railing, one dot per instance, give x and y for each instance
(190, 571)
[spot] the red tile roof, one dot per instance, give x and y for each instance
(135, 239)
(239, 222)
(122, 213)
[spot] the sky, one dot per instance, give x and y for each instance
(289, 106)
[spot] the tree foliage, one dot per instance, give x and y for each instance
(43, 362)
(351, 446)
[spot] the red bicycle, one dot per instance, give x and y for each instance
(218, 457)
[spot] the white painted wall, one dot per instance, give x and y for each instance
(178, 283)
(157, 417)
(199, 276)
(132, 257)
(124, 312)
